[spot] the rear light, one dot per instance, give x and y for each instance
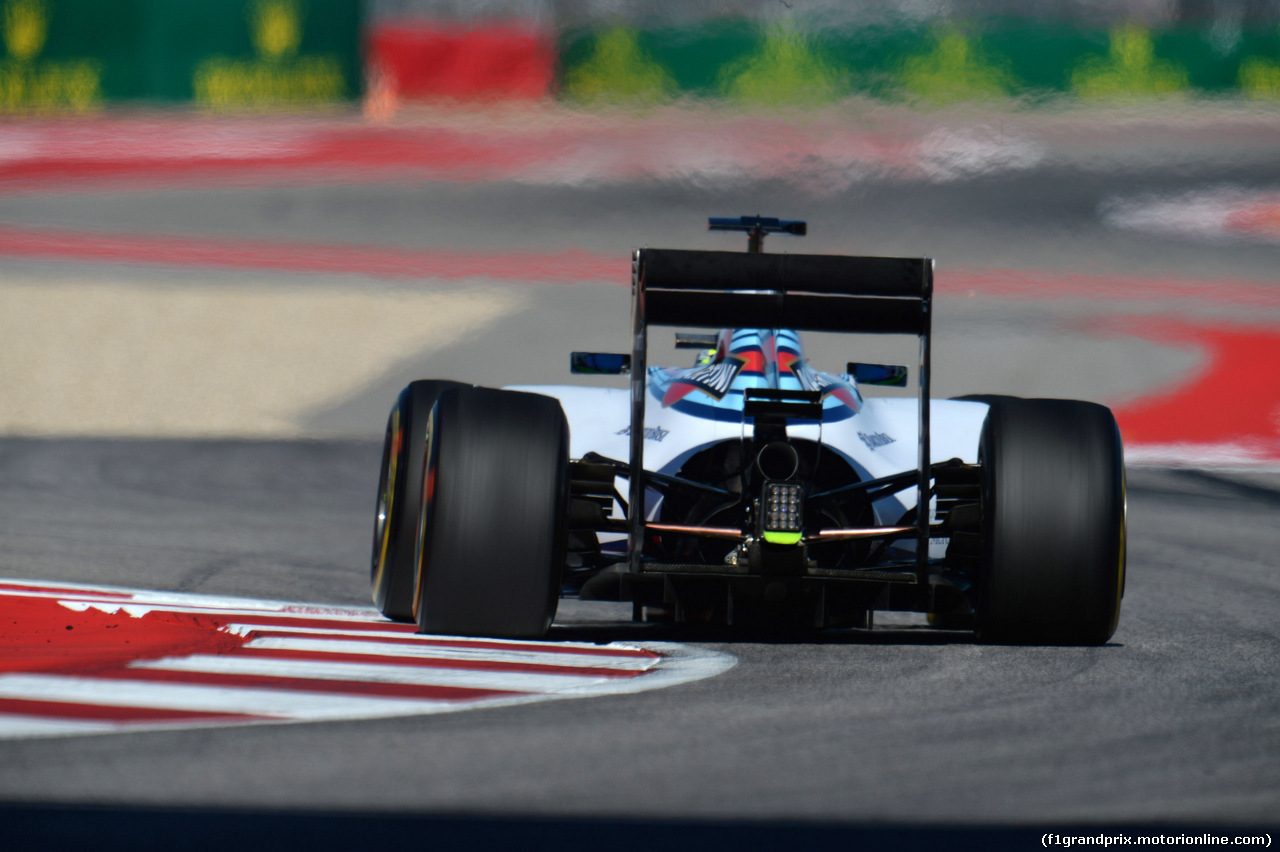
(782, 512)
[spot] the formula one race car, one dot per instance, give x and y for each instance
(750, 488)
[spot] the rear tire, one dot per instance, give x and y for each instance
(1053, 505)
(395, 524)
(492, 535)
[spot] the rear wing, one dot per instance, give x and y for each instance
(834, 293)
(807, 292)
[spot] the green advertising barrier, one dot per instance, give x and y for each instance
(919, 63)
(77, 55)
(80, 55)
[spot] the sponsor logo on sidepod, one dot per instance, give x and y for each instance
(651, 433)
(876, 439)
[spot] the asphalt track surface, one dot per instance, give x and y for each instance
(1172, 723)
(827, 738)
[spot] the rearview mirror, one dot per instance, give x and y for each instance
(887, 375)
(599, 363)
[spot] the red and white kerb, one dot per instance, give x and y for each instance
(84, 659)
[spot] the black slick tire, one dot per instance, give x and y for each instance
(1053, 503)
(492, 536)
(399, 503)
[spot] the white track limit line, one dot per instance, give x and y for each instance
(452, 678)
(459, 653)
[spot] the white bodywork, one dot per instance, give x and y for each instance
(880, 440)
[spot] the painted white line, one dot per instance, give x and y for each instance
(1219, 455)
(179, 600)
(680, 664)
(613, 649)
(15, 726)
(285, 704)
(137, 609)
(373, 673)
(463, 654)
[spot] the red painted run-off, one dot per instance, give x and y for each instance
(1228, 411)
(1256, 219)
(124, 153)
(39, 635)
(557, 148)
(375, 261)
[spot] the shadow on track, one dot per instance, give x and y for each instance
(604, 632)
(699, 634)
(104, 828)
(1193, 484)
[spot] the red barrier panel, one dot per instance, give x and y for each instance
(433, 61)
